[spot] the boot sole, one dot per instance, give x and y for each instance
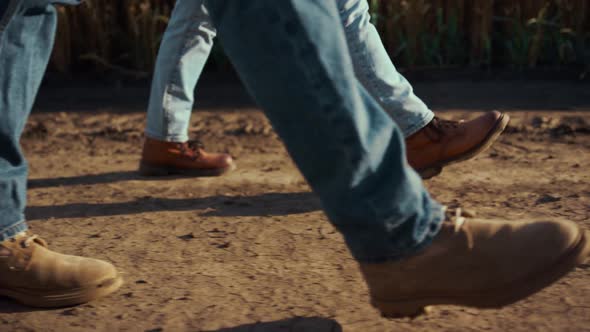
(495, 298)
(62, 298)
(150, 170)
(436, 169)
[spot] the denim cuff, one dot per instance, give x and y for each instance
(425, 118)
(437, 217)
(166, 138)
(10, 231)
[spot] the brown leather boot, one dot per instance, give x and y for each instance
(444, 142)
(189, 158)
(36, 276)
(478, 263)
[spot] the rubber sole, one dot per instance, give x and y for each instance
(493, 298)
(151, 170)
(493, 135)
(63, 298)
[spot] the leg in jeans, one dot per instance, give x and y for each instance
(183, 53)
(25, 46)
(29, 272)
(431, 143)
(376, 72)
(292, 56)
(298, 68)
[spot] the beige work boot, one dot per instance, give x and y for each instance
(36, 276)
(478, 263)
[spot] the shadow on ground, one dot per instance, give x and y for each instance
(89, 179)
(302, 324)
(9, 306)
(269, 204)
(315, 324)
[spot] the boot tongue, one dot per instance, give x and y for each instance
(35, 239)
(26, 239)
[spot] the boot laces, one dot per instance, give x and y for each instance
(455, 216)
(442, 127)
(192, 149)
(458, 220)
(30, 239)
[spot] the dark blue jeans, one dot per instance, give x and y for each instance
(294, 59)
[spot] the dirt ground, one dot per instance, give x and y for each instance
(252, 251)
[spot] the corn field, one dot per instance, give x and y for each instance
(123, 35)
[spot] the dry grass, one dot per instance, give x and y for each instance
(123, 35)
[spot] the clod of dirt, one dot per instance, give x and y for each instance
(36, 130)
(560, 127)
(561, 130)
(187, 237)
(547, 199)
(223, 245)
(141, 281)
(543, 122)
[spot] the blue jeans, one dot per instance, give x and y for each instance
(27, 29)
(187, 44)
(293, 57)
(347, 147)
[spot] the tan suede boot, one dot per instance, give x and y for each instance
(189, 158)
(36, 276)
(478, 263)
(444, 142)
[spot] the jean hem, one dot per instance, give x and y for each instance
(438, 217)
(167, 138)
(11, 231)
(425, 119)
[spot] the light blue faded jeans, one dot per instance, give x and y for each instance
(293, 57)
(27, 29)
(187, 44)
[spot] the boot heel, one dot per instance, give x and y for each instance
(147, 170)
(400, 310)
